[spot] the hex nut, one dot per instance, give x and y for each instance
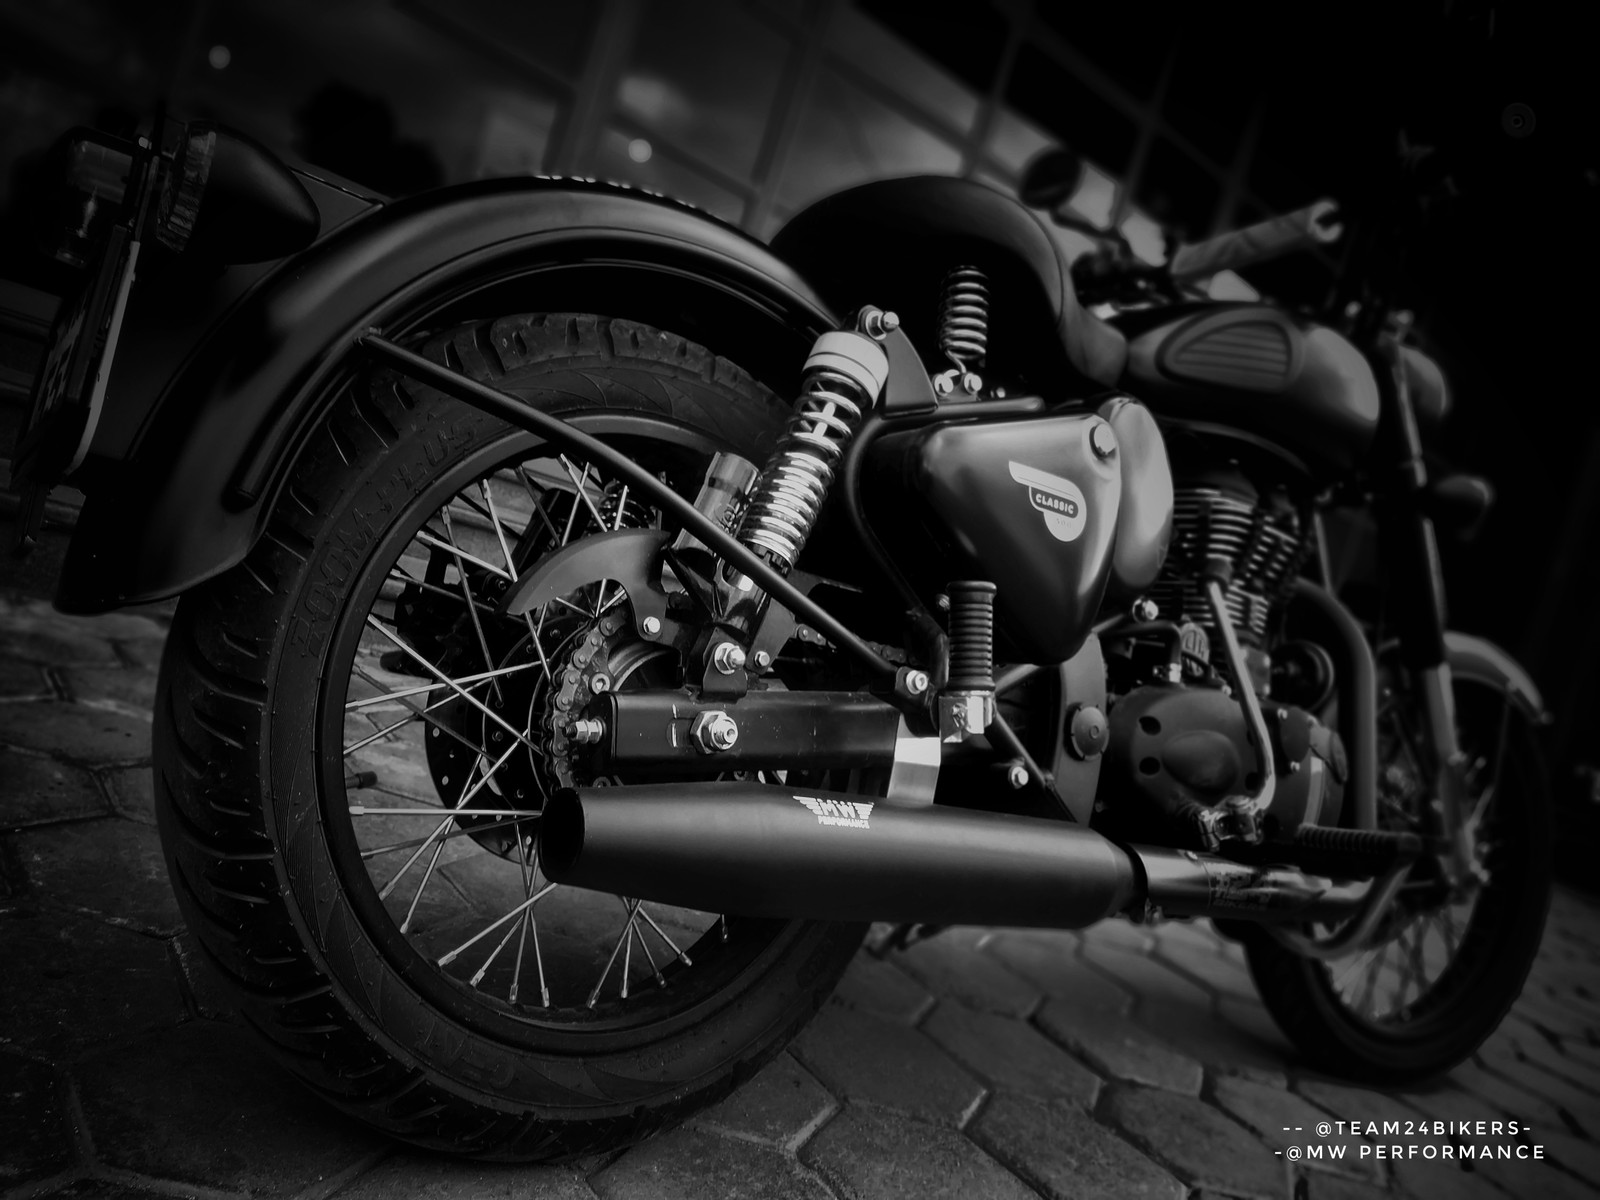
(713, 731)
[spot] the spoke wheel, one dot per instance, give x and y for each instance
(1444, 967)
(353, 747)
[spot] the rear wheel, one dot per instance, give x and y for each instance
(353, 746)
(1443, 973)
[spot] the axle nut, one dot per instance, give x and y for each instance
(714, 731)
(652, 626)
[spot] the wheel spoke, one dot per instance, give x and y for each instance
(452, 955)
(448, 682)
(362, 810)
(442, 544)
(412, 843)
(422, 714)
(466, 591)
(661, 979)
(467, 681)
(615, 950)
(583, 493)
(434, 588)
(662, 934)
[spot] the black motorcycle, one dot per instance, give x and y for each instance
(553, 697)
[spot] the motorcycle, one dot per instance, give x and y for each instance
(592, 618)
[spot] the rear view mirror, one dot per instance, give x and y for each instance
(1051, 178)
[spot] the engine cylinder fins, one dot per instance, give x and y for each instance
(964, 317)
(843, 377)
(1263, 544)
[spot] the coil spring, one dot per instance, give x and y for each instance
(964, 317)
(785, 502)
(620, 509)
(971, 635)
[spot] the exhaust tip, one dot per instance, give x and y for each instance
(561, 834)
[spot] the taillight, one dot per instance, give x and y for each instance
(92, 176)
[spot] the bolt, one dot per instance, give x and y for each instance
(1017, 775)
(763, 659)
(651, 626)
(879, 324)
(600, 683)
(1283, 714)
(1145, 609)
(727, 657)
(713, 731)
(916, 682)
(586, 731)
(971, 383)
(1294, 767)
(1102, 440)
(944, 383)
(942, 602)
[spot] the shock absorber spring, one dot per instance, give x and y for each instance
(843, 377)
(964, 317)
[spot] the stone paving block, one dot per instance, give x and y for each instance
(1119, 1049)
(876, 986)
(115, 689)
(132, 793)
(201, 1104)
(967, 975)
(1207, 966)
(1060, 973)
(35, 633)
(1067, 1155)
(1011, 1054)
(1149, 980)
(870, 1155)
(1533, 1177)
(1578, 1156)
(1441, 1181)
(71, 981)
(1251, 1018)
(1200, 1145)
(21, 680)
(782, 1105)
(83, 735)
(1354, 1105)
(439, 1177)
(861, 1057)
(199, 982)
(1218, 1046)
(1332, 1187)
(109, 867)
(102, 1189)
(35, 790)
(1564, 1061)
(1282, 1119)
(1502, 1096)
(690, 1164)
(36, 1138)
(1119, 934)
(1553, 1019)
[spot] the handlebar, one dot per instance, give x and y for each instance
(1315, 225)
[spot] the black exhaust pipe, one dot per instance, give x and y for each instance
(765, 851)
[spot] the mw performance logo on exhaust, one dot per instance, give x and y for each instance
(849, 813)
(1058, 499)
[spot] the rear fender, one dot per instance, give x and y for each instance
(1481, 661)
(194, 491)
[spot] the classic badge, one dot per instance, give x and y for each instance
(1058, 499)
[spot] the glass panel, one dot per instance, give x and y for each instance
(704, 78)
(846, 136)
(968, 42)
(1096, 197)
(626, 158)
(1043, 91)
(366, 92)
(1176, 190)
(1014, 140)
(866, 45)
(551, 36)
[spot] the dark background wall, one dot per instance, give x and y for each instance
(751, 110)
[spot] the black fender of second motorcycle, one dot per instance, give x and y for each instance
(1481, 661)
(194, 491)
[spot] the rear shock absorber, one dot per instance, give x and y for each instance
(844, 375)
(966, 705)
(964, 325)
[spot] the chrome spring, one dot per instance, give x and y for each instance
(786, 499)
(964, 317)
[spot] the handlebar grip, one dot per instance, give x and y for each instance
(1315, 225)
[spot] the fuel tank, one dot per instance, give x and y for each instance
(1260, 371)
(1032, 505)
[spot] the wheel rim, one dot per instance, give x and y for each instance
(1434, 950)
(481, 932)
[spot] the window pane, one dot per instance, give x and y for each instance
(1014, 139)
(1096, 197)
(704, 77)
(628, 159)
(551, 36)
(846, 137)
(1042, 90)
(1128, 42)
(865, 44)
(516, 132)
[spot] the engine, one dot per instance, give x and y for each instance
(1180, 741)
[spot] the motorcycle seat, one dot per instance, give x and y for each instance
(890, 241)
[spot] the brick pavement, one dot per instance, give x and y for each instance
(1120, 1062)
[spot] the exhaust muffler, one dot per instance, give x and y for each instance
(770, 851)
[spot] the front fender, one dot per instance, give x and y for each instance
(193, 493)
(1482, 661)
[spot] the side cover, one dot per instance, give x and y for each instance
(192, 493)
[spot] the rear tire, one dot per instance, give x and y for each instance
(250, 820)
